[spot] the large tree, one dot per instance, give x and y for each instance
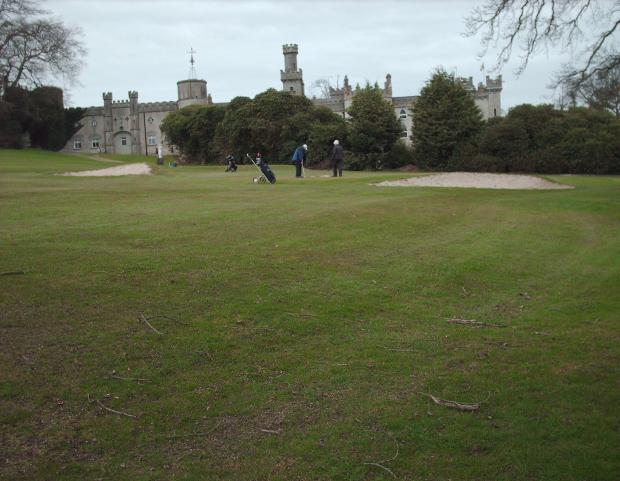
(589, 28)
(445, 121)
(374, 127)
(275, 123)
(34, 47)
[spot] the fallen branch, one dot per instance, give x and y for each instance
(144, 319)
(453, 404)
(12, 273)
(120, 413)
(471, 322)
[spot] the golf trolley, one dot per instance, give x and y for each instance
(266, 174)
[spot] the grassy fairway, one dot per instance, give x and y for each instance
(304, 320)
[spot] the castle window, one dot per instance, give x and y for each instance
(494, 112)
(292, 89)
(93, 123)
(151, 140)
(404, 134)
(77, 143)
(123, 140)
(403, 114)
(95, 142)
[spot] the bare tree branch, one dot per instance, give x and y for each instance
(588, 28)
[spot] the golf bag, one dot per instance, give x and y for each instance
(266, 174)
(232, 166)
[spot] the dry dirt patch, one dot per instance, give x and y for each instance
(128, 169)
(477, 181)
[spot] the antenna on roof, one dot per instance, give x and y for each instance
(192, 69)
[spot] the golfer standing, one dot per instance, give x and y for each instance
(298, 159)
(338, 159)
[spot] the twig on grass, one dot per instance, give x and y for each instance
(144, 319)
(397, 350)
(12, 273)
(393, 457)
(167, 317)
(190, 435)
(471, 322)
(271, 431)
(382, 467)
(138, 379)
(453, 404)
(120, 413)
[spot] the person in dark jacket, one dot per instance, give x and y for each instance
(337, 159)
(299, 158)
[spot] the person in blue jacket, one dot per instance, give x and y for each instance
(299, 158)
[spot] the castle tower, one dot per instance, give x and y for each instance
(291, 76)
(388, 85)
(134, 125)
(192, 91)
(494, 89)
(108, 141)
(346, 88)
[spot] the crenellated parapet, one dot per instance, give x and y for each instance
(290, 48)
(493, 84)
(157, 106)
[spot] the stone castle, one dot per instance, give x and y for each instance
(130, 127)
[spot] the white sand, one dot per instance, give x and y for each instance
(128, 169)
(477, 181)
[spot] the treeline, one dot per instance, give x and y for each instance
(36, 118)
(450, 135)
(275, 123)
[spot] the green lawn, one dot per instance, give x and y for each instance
(304, 321)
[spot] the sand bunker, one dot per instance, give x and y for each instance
(477, 181)
(128, 169)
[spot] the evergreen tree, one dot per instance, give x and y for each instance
(193, 129)
(445, 121)
(374, 128)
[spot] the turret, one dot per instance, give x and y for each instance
(107, 122)
(388, 85)
(291, 76)
(192, 91)
(134, 124)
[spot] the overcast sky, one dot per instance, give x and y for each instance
(142, 45)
